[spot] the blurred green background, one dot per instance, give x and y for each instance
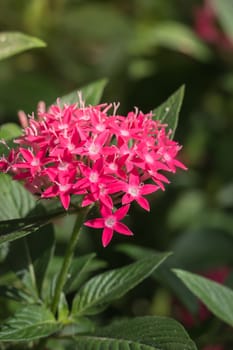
(147, 49)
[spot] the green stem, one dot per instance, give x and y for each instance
(61, 280)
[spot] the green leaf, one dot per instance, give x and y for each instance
(75, 326)
(224, 10)
(5, 148)
(170, 35)
(103, 343)
(91, 94)
(217, 298)
(11, 230)
(168, 112)
(102, 289)
(12, 43)
(144, 333)
(11, 233)
(15, 200)
(9, 131)
(14, 293)
(29, 323)
(34, 251)
(63, 308)
(80, 270)
(163, 274)
(210, 248)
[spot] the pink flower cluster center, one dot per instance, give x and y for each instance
(106, 158)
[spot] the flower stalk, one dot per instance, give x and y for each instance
(62, 277)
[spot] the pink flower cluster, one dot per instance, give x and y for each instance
(106, 158)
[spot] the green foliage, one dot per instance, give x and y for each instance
(9, 131)
(89, 342)
(108, 286)
(12, 43)
(35, 252)
(15, 201)
(147, 49)
(91, 94)
(224, 9)
(163, 273)
(142, 333)
(29, 323)
(218, 298)
(174, 36)
(80, 269)
(168, 112)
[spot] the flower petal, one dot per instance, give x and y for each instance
(143, 202)
(107, 236)
(147, 189)
(121, 212)
(122, 229)
(95, 223)
(65, 199)
(105, 211)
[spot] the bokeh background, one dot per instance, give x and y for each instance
(147, 49)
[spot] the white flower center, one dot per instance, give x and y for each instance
(71, 146)
(113, 166)
(133, 191)
(149, 159)
(64, 188)
(110, 221)
(167, 157)
(94, 149)
(94, 177)
(85, 117)
(124, 132)
(62, 126)
(100, 127)
(35, 162)
(63, 166)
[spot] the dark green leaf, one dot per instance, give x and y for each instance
(111, 285)
(170, 35)
(103, 343)
(91, 94)
(164, 275)
(34, 250)
(149, 332)
(12, 43)
(15, 200)
(80, 270)
(13, 293)
(168, 112)
(75, 326)
(177, 36)
(6, 148)
(63, 308)
(29, 323)
(11, 230)
(210, 248)
(217, 298)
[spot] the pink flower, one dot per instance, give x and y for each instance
(110, 223)
(135, 190)
(107, 159)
